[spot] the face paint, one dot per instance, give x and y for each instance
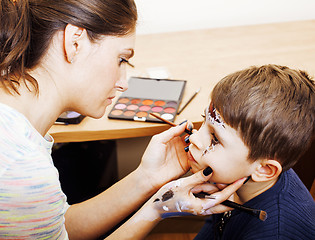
(168, 195)
(214, 116)
(210, 148)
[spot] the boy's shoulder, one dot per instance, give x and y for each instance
(290, 208)
(288, 195)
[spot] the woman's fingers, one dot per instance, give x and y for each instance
(181, 196)
(223, 195)
(176, 131)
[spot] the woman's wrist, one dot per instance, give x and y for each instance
(148, 181)
(145, 181)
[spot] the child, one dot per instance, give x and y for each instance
(259, 122)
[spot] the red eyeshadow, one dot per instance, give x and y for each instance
(169, 110)
(135, 101)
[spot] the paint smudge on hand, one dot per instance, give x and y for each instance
(168, 195)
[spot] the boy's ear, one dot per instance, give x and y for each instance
(267, 170)
(73, 40)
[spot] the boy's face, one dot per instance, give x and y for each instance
(219, 146)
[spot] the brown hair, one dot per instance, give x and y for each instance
(273, 109)
(27, 28)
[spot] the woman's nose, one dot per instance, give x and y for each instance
(122, 84)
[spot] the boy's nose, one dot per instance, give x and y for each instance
(195, 139)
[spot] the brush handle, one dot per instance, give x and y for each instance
(237, 206)
(228, 203)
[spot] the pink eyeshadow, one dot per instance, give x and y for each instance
(132, 107)
(145, 108)
(120, 106)
(157, 109)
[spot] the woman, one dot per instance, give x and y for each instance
(60, 55)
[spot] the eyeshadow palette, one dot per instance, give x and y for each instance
(145, 95)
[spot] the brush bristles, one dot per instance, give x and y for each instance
(262, 215)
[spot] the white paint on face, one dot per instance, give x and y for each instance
(214, 117)
(229, 159)
(210, 148)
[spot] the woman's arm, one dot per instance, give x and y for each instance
(175, 199)
(160, 164)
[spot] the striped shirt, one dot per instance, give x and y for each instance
(32, 204)
(291, 215)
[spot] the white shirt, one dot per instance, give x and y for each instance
(32, 204)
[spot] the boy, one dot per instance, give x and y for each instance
(259, 122)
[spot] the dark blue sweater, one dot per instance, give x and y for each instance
(291, 215)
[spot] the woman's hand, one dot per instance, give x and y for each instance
(179, 198)
(165, 158)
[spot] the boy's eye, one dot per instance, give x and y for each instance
(214, 139)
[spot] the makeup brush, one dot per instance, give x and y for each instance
(260, 214)
(170, 123)
(189, 100)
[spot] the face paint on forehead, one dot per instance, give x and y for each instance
(214, 116)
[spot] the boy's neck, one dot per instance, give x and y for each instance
(252, 189)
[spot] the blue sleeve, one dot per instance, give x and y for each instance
(206, 231)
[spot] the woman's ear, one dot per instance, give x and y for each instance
(267, 170)
(73, 39)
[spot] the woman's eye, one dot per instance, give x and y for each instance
(123, 60)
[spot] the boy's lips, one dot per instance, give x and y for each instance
(190, 157)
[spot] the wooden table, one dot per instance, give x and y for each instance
(202, 57)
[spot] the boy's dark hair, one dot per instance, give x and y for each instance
(273, 109)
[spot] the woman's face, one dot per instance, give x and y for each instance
(100, 73)
(219, 146)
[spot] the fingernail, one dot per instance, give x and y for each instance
(183, 122)
(207, 171)
(186, 149)
(246, 180)
(187, 139)
(188, 131)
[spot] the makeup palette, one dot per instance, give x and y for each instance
(149, 95)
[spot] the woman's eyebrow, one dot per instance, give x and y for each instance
(132, 52)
